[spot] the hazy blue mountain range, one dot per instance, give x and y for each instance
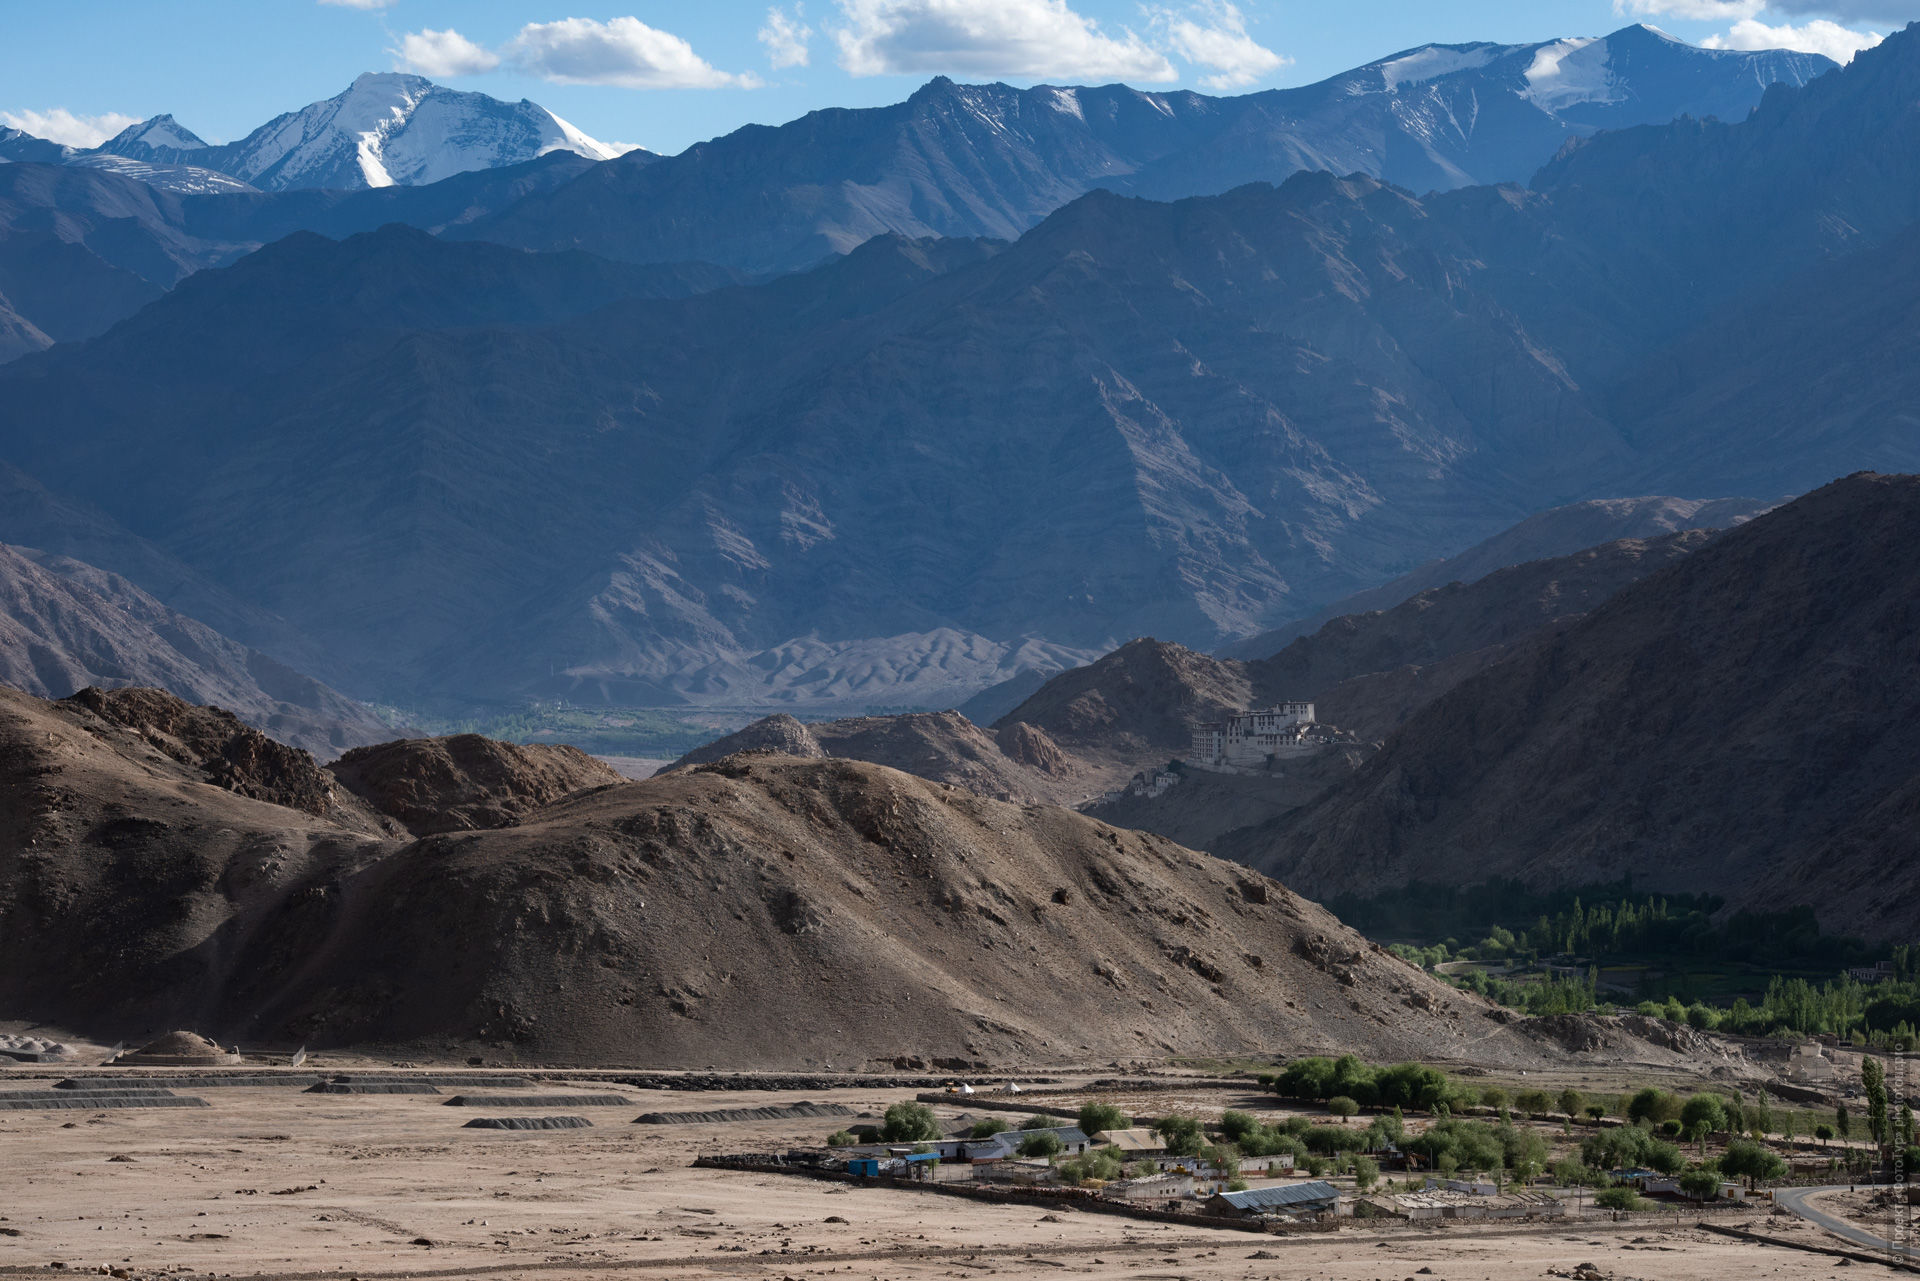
(953, 160)
(991, 160)
(927, 464)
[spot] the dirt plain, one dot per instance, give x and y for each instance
(279, 1184)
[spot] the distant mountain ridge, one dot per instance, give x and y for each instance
(386, 129)
(992, 160)
(1190, 420)
(953, 160)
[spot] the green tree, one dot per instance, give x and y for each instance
(1664, 1157)
(1597, 1111)
(1222, 1157)
(1569, 1172)
(1754, 1162)
(1366, 1172)
(1702, 1114)
(1701, 1185)
(1182, 1134)
(1038, 1121)
(987, 1128)
(1572, 1102)
(1620, 1198)
(1843, 1122)
(1493, 1097)
(1342, 1106)
(909, 1123)
(1042, 1143)
(1238, 1126)
(1873, 1078)
(842, 1139)
(1824, 1133)
(1652, 1104)
(1097, 1118)
(1104, 1164)
(1535, 1103)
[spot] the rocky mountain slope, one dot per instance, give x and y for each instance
(748, 913)
(1193, 421)
(1546, 535)
(383, 130)
(1742, 722)
(66, 625)
(1016, 763)
(1367, 672)
(991, 160)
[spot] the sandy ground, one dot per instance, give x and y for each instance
(275, 1183)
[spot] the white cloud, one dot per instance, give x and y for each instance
(785, 37)
(63, 126)
(1819, 36)
(620, 51)
(444, 54)
(1214, 35)
(1696, 10)
(359, 4)
(1020, 39)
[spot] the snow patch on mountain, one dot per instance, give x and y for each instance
(1434, 61)
(1572, 71)
(189, 180)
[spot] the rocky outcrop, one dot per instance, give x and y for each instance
(466, 782)
(228, 754)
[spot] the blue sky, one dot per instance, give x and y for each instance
(665, 75)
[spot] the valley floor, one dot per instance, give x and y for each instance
(280, 1184)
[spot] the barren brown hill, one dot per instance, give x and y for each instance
(766, 910)
(133, 885)
(1138, 702)
(1745, 722)
(1017, 763)
(65, 625)
(760, 911)
(465, 782)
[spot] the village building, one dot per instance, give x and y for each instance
(1317, 1197)
(1443, 1203)
(1170, 1187)
(1133, 1143)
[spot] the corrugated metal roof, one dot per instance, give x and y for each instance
(1281, 1196)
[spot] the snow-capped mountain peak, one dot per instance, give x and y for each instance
(386, 129)
(161, 140)
(390, 128)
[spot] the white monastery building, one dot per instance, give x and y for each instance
(1251, 737)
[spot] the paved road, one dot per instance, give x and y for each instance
(1795, 1199)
